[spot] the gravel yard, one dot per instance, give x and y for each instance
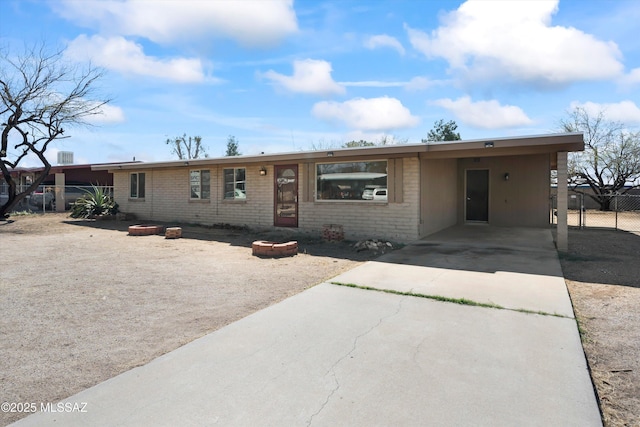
(602, 271)
(82, 301)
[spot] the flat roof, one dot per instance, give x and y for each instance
(56, 168)
(533, 144)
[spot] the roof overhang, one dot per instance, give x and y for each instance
(540, 144)
(62, 168)
(526, 145)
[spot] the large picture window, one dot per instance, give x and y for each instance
(235, 184)
(200, 184)
(352, 181)
(136, 189)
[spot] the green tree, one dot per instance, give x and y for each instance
(40, 98)
(443, 132)
(610, 162)
(187, 147)
(232, 147)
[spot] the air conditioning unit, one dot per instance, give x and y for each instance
(65, 157)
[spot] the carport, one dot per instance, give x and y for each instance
(500, 182)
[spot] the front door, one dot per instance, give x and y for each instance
(477, 195)
(286, 192)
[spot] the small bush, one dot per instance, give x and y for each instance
(95, 203)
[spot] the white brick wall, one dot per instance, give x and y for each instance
(167, 200)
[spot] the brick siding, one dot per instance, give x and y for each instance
(167, 199)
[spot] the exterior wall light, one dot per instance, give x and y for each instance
(329, 153)
(506, 176)
(263, 171)
(488, 144)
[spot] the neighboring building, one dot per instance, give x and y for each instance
(628, 198)
(60, 179)
(76, 174)
(502, 182)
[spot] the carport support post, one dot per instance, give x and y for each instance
(60, 183)
(562, 232)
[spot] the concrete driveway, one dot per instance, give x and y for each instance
(516, 268)
(336, 355)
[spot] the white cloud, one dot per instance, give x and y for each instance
(624, 111)
(632, 78)
(373, 83)
(127, 57)
(108, 114)
(415, 84)
(384, 40)
(489, 39)
(372, 114)
(419, 83)
(309, 76)
(250, 22)
(484, 114)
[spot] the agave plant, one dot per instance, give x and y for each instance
(95, 203)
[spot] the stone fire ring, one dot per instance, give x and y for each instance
(145, 230)
(262, 248)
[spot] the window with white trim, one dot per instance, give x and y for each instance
(364, 181)
(136, 188)
(235, 184)
(200, 184)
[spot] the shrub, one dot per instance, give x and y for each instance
(95, 203)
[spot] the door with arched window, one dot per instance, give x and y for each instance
(286, 196)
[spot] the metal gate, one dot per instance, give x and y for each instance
(622, 212)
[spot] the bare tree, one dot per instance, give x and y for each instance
(187, 147)
(391, 140)
(384, 139)
(360, 143)
(610, 162)
(323, 145)
(40, 96)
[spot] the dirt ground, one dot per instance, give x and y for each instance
(82, 301)
(602, 271)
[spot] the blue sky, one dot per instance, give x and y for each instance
(285, 76)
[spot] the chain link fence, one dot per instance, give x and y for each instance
(47, 197)
(622, 211)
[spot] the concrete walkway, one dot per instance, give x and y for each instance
(336, 355)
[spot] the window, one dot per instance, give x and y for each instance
(235, 184)
(200, 183)
(352, 181)
(137, 186)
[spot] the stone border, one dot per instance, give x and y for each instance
(173, 233)
(262, 248)
(145, 230)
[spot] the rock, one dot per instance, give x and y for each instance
(372, 245)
